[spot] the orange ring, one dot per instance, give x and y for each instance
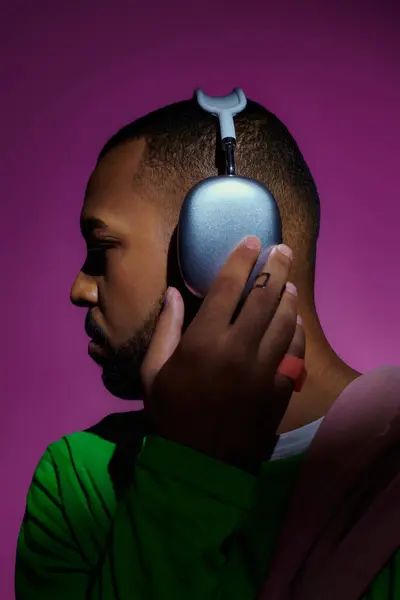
(294, 368)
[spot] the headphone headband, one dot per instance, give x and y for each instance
(225, 108)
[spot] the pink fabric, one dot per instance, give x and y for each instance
(343, 522)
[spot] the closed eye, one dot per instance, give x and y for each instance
(96, 260)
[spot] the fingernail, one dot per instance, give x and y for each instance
(169, 294)
(285, 250)
(299, 320)
(291, 288)
(252, 242)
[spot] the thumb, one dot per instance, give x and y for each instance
(166, 337)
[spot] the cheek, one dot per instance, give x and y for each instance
(131, 290)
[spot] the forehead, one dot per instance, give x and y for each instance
(111, 189)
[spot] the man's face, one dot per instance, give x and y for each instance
(124, 278)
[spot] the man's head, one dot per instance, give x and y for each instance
(131, 210)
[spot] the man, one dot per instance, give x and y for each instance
(186, 498)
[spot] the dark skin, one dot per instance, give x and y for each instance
(216, 387)
(124, 280)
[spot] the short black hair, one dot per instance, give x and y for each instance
(182, 144)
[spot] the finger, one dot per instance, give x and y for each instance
(264, 298)
(166, 337)
(279, 335)
(296, 348)
(224, 295)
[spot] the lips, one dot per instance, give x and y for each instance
(94, 331)
(96, 353)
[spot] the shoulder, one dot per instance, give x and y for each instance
(115, 432)
(102, 455)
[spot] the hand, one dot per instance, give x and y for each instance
(215, 388)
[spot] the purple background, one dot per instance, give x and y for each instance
(73, 72)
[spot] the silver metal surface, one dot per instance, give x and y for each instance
(216, 215)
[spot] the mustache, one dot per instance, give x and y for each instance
(94, 331)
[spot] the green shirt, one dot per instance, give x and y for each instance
(151, 520)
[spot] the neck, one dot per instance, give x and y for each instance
(327, 377)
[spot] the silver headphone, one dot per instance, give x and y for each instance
(219, 212)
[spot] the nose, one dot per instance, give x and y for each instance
(84, 291)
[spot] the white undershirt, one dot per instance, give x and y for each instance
(296, 441)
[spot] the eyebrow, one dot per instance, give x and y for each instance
(90, 225)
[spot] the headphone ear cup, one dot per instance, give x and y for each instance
(216, 215)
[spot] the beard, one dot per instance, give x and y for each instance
(122, 371)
